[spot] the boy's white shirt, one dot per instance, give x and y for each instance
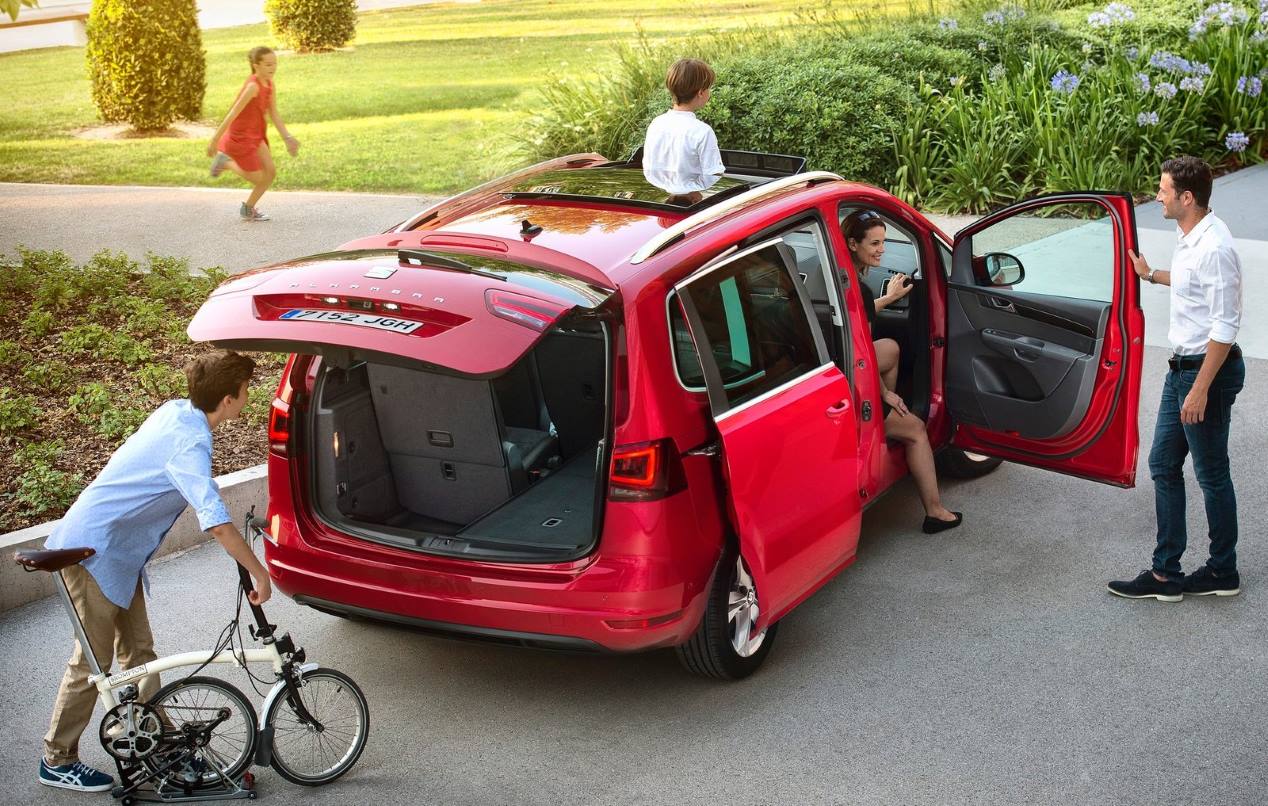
(680, 153)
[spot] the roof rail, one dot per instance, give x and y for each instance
(713, 213)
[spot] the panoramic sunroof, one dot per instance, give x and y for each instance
(622, 185)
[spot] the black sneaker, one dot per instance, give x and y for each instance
(1146, 586)
(1205, 582)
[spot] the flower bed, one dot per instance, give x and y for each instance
(86, 353)
(967, 112)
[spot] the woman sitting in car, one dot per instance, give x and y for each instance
(864, 232)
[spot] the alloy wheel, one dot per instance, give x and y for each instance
(742, 612)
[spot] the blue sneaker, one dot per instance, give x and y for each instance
(78, 776)
(251, 214)
(218, 164)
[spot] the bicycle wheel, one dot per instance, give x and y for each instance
(305, 755)
(196, 701)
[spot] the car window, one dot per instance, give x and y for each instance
(1068, 251)
(902, 256)
(755, 323)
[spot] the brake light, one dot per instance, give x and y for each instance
(280, 415)
(528, 311)
(645, 472)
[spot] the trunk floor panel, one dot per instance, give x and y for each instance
(556, 512)
(412, 521)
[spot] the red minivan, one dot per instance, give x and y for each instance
(566, 411)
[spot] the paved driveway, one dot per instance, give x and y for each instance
(200, 223)
(984, 666)
(987, 665)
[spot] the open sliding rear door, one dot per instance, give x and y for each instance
(1045, 336)
(783, 411)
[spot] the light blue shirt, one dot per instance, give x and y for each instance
(128, 509)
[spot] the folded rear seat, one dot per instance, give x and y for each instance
(452, 457)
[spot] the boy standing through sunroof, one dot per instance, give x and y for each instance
(680, 152)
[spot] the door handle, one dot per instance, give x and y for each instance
(1001, 305)
(837, 411)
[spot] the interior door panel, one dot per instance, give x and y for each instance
(1043, 368)
(1025, 364)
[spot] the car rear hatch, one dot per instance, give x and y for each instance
(460, 405)
(467, 314)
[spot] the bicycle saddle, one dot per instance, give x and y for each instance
(51, 559)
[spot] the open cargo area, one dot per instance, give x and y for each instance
(502, 467)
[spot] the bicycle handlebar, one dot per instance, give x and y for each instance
(250, 522)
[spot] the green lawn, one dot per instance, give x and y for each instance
(428, 100)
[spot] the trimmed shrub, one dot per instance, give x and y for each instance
(805, 101)
(609, 113)
(146, 62)
(309, 26)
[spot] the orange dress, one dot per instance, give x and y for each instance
(242, 140)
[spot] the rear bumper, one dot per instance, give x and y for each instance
(625, 604)
(557, 643)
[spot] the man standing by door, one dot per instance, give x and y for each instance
(1205, 374)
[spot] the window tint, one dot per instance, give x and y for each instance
(754, 323)
(1066, 250)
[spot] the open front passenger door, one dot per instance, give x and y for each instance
(1045, 336)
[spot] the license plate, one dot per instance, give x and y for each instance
(352, 318)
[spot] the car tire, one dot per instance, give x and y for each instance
(712, 651)
(959, 464)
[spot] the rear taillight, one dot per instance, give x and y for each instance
(280, 415)
(646, 471)
(527, 311)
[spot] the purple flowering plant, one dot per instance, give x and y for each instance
(1236, 142)
(1064, 82)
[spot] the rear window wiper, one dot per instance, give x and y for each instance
(412, 256)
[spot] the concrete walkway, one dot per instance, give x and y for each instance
(199, 223)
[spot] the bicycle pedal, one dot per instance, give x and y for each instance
(248, 780)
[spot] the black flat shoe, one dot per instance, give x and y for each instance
(933, 525)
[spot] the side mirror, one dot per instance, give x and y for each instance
(1003, 269)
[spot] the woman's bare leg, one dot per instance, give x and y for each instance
(265, 176)
(887, 361)
(910, 430)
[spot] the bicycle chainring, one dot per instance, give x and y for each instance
(132, 731)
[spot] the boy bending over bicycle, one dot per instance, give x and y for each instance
(124, 514)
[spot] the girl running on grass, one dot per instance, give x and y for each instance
(241, 144)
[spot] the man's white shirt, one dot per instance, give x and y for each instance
(680, 153)
(1206, 288)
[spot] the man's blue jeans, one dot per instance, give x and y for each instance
(1207, 441)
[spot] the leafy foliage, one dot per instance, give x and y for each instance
(17, 412)
(837, 114)
(146, 62)
(313, 25)
(961, 114)
(11, 7)
(609, 112)
(101, 345)
(41, 487)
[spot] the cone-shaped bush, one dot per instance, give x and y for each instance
(313, 25)
(146, 61)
